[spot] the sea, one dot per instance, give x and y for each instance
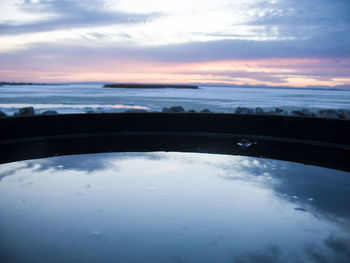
(82, 98)
(171, 207)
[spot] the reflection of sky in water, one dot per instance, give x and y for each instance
(172, 207)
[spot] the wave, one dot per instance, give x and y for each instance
(73, 106)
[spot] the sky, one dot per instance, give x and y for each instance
(294, 43)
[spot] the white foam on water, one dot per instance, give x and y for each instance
(73, 106)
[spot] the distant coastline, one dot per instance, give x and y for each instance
(24, 83)
(150, 86)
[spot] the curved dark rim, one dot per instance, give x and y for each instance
(314, 141)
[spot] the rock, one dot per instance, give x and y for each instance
(191, 111)
(238, 110)
(332, 114)
(296, 113)
(28, 111)
(242, 110)
(135, 111)
(279, 111)
(205, 111)
(344, 114)
(259, 111)
(49, 112)
(175, 109)
(94, 111)
(2, 114)
(302, 113)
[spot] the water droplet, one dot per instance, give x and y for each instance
(300, 209)
(310, 199)
(244, 144)
(295, 196)
(60, 166)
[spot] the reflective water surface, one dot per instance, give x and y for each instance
(172, 207)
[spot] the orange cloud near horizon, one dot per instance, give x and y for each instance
(298, 72)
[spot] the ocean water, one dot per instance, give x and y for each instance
(80, 98)
(172, 207)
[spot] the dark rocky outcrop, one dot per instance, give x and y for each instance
(279, 110)
(27, 111)
(302, 113)
(135, 111)
(259, 111)
(49, 112)
(175, 109)
(94, 111)
(344, 114)
(243, 110)
(333, 114)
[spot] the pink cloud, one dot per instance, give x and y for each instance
(298, 72)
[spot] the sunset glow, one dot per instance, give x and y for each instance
(226, 42)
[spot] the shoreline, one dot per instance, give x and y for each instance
(341, 114)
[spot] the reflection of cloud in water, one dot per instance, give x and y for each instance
(164, 192)
(11, 168)
(336, 249)
(86, 162)
(322, 192)
(325, 190)
(340, 246)
(271, 254)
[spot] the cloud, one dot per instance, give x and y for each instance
(302, 20)
(72, 34)
(250, 49)
(68, 14)
(59, 62)
(200, 51)
(312, 29)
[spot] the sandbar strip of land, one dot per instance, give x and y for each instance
(150, 86)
